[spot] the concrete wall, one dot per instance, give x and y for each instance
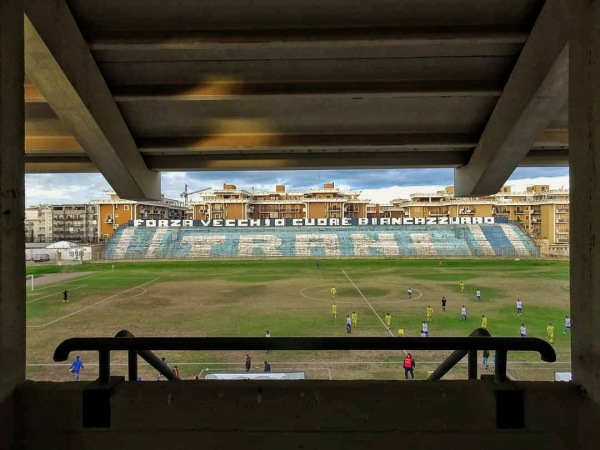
(307, 415)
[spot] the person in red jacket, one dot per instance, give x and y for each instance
(409, 366)
(176, 371)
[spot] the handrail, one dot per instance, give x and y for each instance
(149, 357)
(104, 345)
(457, 355)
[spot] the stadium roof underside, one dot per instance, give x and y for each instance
(131, 88)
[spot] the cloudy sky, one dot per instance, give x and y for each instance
(379, 186)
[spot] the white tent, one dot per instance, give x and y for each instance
(62, 244)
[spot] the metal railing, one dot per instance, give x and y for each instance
(144, 345)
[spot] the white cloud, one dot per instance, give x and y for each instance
(81, 188)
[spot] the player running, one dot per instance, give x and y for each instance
(483, 321)
(388, 320)
(334, 310)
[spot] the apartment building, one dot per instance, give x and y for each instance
(75, 223)
(38, 223)
(115, 211)
(323, 202)
(542, 212)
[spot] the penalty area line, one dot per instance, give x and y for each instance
(55, 293)
(97, 303)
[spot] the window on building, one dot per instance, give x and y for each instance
(109, 219)
(126, 207)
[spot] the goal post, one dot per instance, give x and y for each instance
(29, 283)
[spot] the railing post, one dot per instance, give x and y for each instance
(472, 364)
(132, 365)
(104, 366)
(500, 366)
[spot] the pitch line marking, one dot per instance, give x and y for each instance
(294, 363)
(56, 293)
(367, 302)
(47, 286)
(94, 304)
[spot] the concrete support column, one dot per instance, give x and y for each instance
(584, 142)
(12, 214)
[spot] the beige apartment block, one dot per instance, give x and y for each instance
(326, 202)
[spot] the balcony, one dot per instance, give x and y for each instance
(519, 211)
(536, 211)
(468, 211)
(438, 213)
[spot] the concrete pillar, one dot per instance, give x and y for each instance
(584, 142)
(12, 214)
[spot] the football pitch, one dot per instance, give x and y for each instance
(293, 298)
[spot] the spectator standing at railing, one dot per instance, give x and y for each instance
(176, 371)
(409, 366)
(248, 362)
(164, 363)
(76, 367)
(486, 356)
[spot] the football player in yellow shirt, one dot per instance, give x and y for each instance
(483, 321)
(461, 285)
(388, 320)
(354, 319)
(334, 310)
(429, 313)
(333, 291)
(550, 333)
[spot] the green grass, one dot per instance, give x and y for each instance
(292, 298)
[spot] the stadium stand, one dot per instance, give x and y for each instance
(364, 241)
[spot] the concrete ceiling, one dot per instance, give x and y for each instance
(131, 87)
